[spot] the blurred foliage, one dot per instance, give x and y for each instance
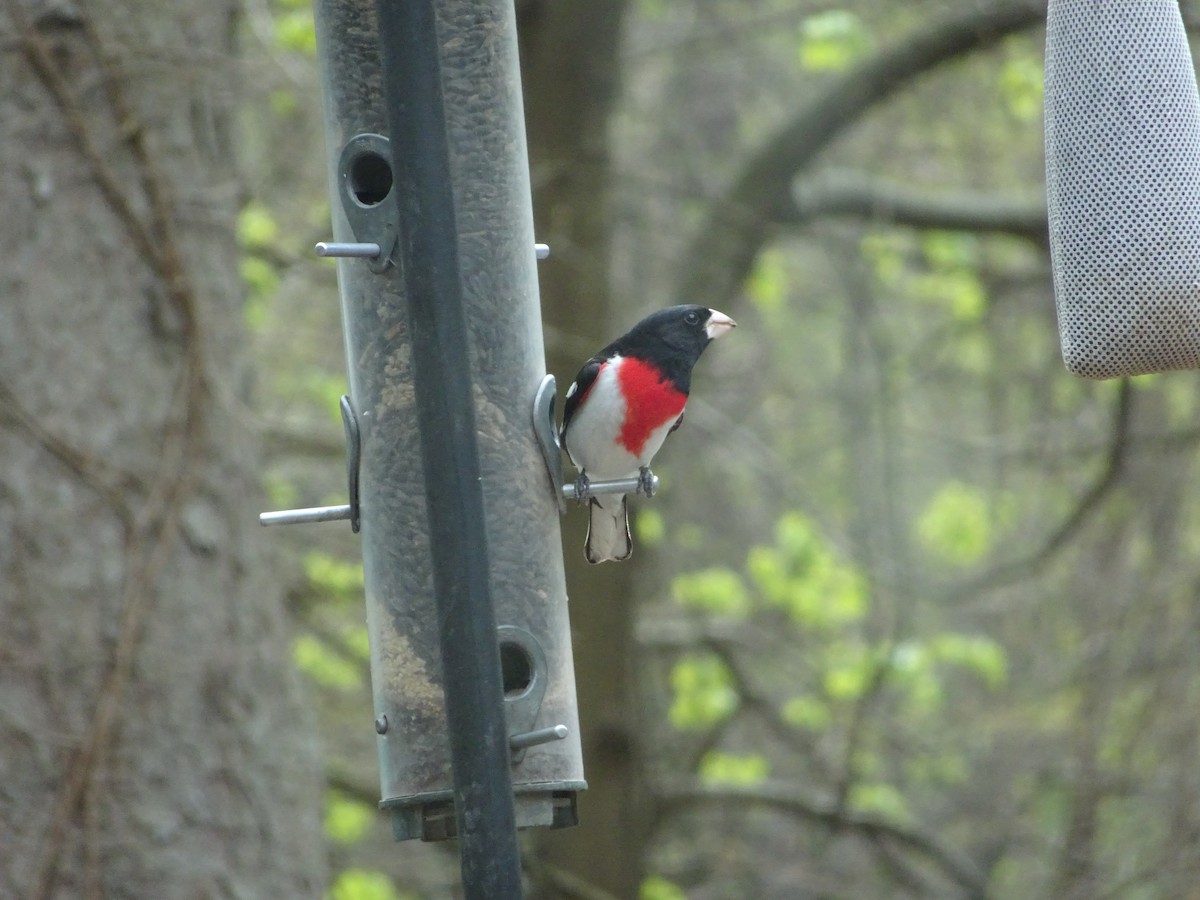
(802, 575)
(293, 26)
(346, 819)
(718, 591)
(704, 693)
(339, 579)
(658, 888)
(729, 768)
(1020, 81)
(826, 604)
(832, 40)
(649, 527)
(324, 666)
(362, 884)
(956, 525)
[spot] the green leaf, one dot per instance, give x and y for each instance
(950, 250)
(261, 281)
(932, 768)
(256, 227)
(913, 672)
(979, 654)
(1021, 82)
(338, 578)
(655, 887)
(283, 103)
(956, 524)
(325, 389)
(830, 41)
(717, 590)
(649, 527)
(880, 798)
(807, 712)
(294, 30)
(798, 539)
(347, 820)
(361, 884)
(961, 293)
(704, 692)
(848, 668)
(768, 282)
(885, 254)
(324, 666)
(804, 576)
(953, 281)
(358, 642)
(728, 768)
(846, 684)
(281, 492)
(767, 571)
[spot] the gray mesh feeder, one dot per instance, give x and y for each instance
(1123, 184)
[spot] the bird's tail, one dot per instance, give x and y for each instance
(608, 529)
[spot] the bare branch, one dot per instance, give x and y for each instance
(864, 196)
(287, 439)
(564, 884)
(739, 222)
(1073, 522)
(787, 798)
(106, 480)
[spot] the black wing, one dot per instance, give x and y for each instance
(579, 388)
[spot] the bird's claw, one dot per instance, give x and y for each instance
(583, 488)
(647, 483)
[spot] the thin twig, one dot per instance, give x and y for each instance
(789, 799)
(40, 56)
(1058, 539)
(111, 483)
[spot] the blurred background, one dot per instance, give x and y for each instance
(913, 615)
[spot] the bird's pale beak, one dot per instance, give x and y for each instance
(718, 323)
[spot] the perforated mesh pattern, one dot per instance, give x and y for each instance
(1123, 182)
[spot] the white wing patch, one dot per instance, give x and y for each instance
(572, 389)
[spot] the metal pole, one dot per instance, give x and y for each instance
(429, 262)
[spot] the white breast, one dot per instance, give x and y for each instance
(592, 441)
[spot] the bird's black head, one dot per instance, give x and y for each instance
(673, 338)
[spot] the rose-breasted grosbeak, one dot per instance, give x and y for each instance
(622, 405)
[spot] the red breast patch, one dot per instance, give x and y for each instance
(650, 402)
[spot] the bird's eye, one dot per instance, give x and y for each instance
(692, 318)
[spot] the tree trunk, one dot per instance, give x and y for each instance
(569, 68)
(154, 740)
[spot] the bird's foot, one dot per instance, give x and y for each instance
(583, 488)
(647, 482)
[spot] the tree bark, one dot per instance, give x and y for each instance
(155, 741)
(570, 68)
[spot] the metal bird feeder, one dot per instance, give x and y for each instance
(385, 225)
